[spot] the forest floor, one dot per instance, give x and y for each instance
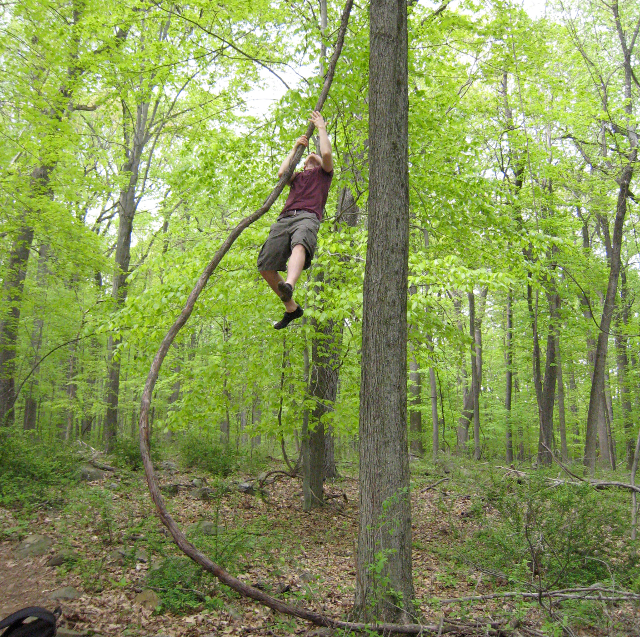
(115, 551)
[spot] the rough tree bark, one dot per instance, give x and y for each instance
(384, 534)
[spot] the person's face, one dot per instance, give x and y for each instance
(312, 161)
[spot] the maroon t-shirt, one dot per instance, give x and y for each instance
(309, 191)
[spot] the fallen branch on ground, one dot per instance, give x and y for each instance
(432, 486)
(101, 465)
(277, 473)
(557, 482)
(589, 592)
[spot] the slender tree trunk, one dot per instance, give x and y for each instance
(475, 384)
(545, 439)
(415, 404)
(434, 404)
(415, 397)
(119, 295)
(384, 536)
(72, 389)
(134, 142)
(509, 378)
(624, 183)
(561, 408)
(320, 462)
(622, 360)
(597, 384)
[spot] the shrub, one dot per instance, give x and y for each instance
(30, 469)
(183, 586)
(198, 451)
(127, 452)
(555, 537)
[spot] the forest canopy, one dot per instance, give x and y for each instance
(484, 167)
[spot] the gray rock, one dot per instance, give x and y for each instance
(67, 632)
(246, 487)
(262, 477)
(323, 632)
(116, 557)
(233, 613)
(198, 483)
(33, 545)
(65, 555)
(169, 467)
(141, 556)
(67, 592)
(147, 599)
(203, 493)
(445, 466)
(90, 474)
(206, 527)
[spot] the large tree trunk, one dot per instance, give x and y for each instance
(384, 530)
(119, 295)
(12, 290)
(30, 399)
(323, 388)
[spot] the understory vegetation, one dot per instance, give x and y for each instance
(479, 532)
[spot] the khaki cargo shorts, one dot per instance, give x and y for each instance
(299, 229)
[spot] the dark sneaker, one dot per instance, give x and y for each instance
(288, 317)
(286, 291)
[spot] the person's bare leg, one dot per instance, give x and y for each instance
(296, 264)
(272, 277)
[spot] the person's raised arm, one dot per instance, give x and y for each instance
(301, 141)
(325, 143)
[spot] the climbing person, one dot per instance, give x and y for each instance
(292, 239)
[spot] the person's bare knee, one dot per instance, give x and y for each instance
(296, 264)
